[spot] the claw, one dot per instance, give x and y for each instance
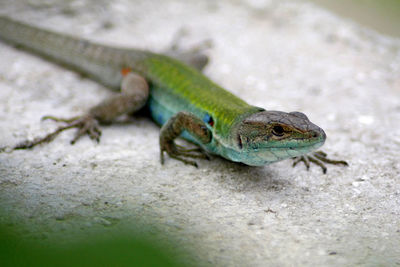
(180, 153)
(56, 119)
(303, 159)
(318, 158)
(323, 157)
(186, 161)
(319, 163)
(85, 124)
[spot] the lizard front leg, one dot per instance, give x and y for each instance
(183, 121)
(133, 96)
(318, 158)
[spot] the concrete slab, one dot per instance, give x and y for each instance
(280, 55)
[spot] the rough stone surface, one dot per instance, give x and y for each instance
(275, 54)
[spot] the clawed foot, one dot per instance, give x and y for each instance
(195, 56)
(86, 124)
(318, 158)
(176, 44)
(179, 152)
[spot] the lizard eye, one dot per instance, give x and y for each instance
(278, 130)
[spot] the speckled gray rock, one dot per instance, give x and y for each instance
(276, 54)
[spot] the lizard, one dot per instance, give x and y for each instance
(179, 98)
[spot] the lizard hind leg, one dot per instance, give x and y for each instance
(85, 124)
(172, 129)
(133, 96)
(194, 57)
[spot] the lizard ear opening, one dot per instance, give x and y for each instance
(239, 141)
(209, 120)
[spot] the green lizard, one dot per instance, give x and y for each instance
(180, 99)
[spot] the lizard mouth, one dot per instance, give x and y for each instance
(306, 145)
(266, 155)
(317, 139)
(297, 144)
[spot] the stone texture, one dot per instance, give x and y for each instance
(280, 55)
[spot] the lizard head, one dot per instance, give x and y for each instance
(270, 136)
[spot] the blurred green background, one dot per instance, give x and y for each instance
(380, 15)
(116, 248)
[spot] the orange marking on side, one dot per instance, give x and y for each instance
(125, 71)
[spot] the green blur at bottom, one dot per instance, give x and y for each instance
(117, 251)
